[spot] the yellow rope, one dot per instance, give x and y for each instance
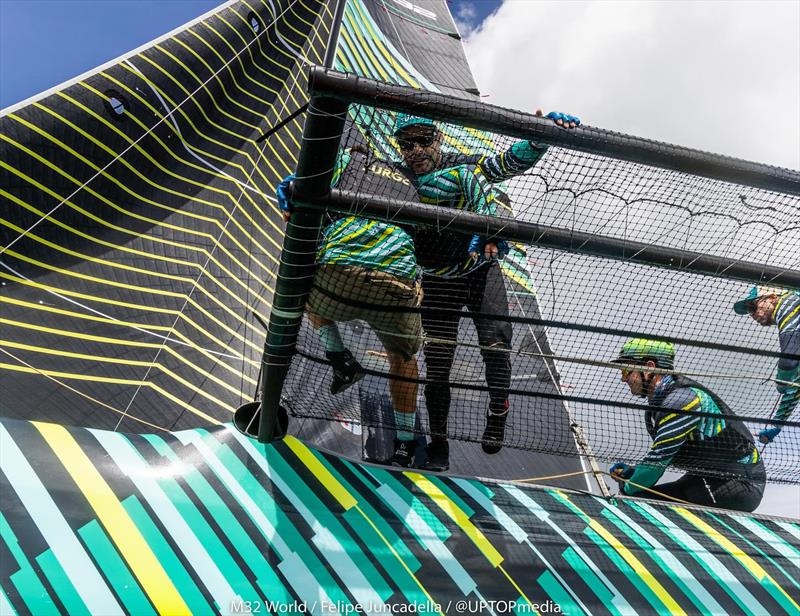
(548, 477)
(646, 489)
(615, 478)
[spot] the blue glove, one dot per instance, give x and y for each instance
(281, 193)
(766, 435)
(621, 470)
(564, 117)
(502, 248)
(477, 244)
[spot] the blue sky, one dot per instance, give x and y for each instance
(46, 42)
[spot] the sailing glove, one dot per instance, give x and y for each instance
(281, 192)
(478, 243)
(766, 435)
(621, 470)
(565, 118)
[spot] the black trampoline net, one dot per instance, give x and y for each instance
(474, 323)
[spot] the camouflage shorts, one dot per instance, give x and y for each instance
(337, 287)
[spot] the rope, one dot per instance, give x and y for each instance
(615, 478)
(646, 489)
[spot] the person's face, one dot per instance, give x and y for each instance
(420, 146)
(633, 379)
(762, 309)
(637, 379)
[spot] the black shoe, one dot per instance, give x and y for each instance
(403, 453)
(492, 440)
(346, 370)
(438, 457)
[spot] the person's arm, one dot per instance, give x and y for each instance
(522, 155)
(789, 369)
(517, 159)
(672, 431)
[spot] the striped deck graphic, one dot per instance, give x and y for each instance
(208, 521)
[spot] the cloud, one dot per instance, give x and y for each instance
(718, 76)
(466, 16)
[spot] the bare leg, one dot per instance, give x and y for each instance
(317, 321)
(404, 397)
(404, 393)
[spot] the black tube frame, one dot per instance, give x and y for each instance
(494, 119)
(331, 94)
(374, 206)
(324, 126)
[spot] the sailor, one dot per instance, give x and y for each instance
(774, 306)
(716, 442)
(462, 270)
(363, 263)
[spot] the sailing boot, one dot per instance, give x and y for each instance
(438, 456)
(492, 440)
(346, 370)
(403, 453)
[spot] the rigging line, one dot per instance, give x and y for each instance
(407, 58)
(114, 319)
(291, 49)
(145, 134)
(651, 490)
(549, 477)
(557, 385)
(259, 294)
(80, 393)
(282, 123)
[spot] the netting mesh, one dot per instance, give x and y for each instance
(538, 327)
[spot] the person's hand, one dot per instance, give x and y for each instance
(766, 435)
(281, 192)
(620, 471)
(490, 250)
(563, 120)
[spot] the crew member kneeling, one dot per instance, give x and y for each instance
(718, 442)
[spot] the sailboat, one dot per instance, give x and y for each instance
(141, 248)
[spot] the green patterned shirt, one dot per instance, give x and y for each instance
(362, 242)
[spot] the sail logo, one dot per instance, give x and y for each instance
(416, 9)
(388, 172)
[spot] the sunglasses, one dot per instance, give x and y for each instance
(423, 140)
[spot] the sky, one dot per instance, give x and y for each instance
(46, 42)
(718, 76)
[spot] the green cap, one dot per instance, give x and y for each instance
(740, 307)
(404, 120)
(641, 349)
